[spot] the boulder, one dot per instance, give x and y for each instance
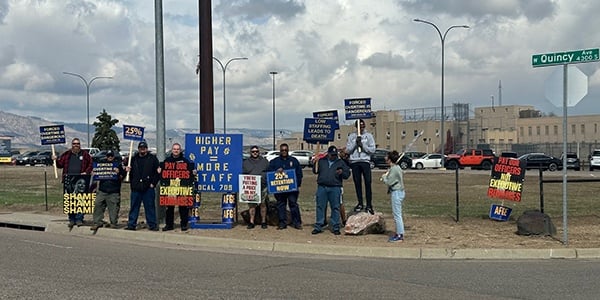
(364, 223)
(534, 222)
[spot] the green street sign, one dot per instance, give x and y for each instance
(561, 58)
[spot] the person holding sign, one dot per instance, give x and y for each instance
(394, 180)
(257, 165)
(73, 162)
(360, 146)
(143, 177)
(108, 195)
(175, 159)
(331, 172)
(286, 162)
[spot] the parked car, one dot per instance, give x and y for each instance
(303, 157)
(414, 154)
(432, 160)
(541, 161)
(91, 151)
(269, 155)
(378, 159)
(24, 159)
(42, 158)
(101, 156)
(572, 161)
(509, 154)
(595, 160)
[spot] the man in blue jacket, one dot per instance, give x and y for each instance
(331, 172)
(286, 162)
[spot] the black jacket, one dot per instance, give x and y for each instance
(144, 171)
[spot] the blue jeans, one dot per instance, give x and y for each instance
(397, 199)
(73, 218)
(331, 195)
(137, 198)
(288, 199)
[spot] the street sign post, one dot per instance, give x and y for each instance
(561, 58)
(565, 59)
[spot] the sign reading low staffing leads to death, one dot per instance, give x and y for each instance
(561, 58)
(53, 134)
(319, 130)
(135, 133)
(358, 108)
(217, 159)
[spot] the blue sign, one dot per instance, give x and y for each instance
(104, 171)
(358, 108)
(282, 182)
(319, 130)
(499, 212)
(218, 160)
(329, 114)
(53, 134)
(135, 133)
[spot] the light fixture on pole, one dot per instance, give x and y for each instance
(273, 73)
(443, 117)
(87, 90)
(224, 69)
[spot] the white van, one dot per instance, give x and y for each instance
(91, 151)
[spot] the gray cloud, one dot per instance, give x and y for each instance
(260, 10)
(387, 61)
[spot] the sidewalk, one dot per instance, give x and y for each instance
(57, 224)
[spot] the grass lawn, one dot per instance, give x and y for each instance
(428, 193)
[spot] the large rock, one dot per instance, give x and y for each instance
(365, 223)
(534, 222)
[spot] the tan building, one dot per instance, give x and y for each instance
(518, 128)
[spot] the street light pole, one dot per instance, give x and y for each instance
(273, 73)
(87, 90)
(224, 69)
(442, 39)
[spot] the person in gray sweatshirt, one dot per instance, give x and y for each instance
(330, 174)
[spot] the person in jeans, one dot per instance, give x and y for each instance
(286, 162)
(73, 162)
(331, 172)
(143, 177)
(395, 182)
(108, 195)
(360, 146)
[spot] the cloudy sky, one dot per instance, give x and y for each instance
(324, 51)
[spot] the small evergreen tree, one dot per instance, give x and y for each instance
(105, 138)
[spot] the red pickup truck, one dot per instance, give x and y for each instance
(474, 158)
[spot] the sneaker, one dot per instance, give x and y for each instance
(316, 231)
(336, 232)
(130, 228)
(396, 238)
(298, 226)
(358, 208)
(370, 210)
(153, 228)
(250, 226)
(264, 226)
(167, 228)
(184, 227)
(281, 227)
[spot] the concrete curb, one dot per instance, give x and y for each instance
(57, 225)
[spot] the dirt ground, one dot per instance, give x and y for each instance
(421, 232)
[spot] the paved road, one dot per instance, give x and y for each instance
(51, 266)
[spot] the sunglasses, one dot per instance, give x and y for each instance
(75, 144)
(284, 150)
(254, 151)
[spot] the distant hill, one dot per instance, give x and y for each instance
(25, 134)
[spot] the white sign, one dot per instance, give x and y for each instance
(577, 86)
(250, 189)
